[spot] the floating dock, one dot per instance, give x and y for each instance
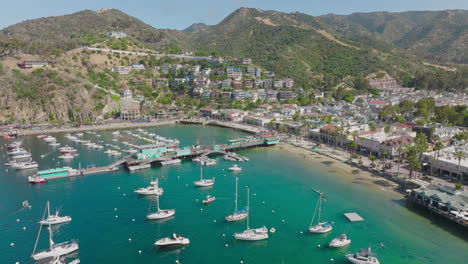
(353, 217)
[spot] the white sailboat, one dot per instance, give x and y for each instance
(237, 215)
(340, 241)
(204, 182)
(153, 189)
(54, 250)
(235, 168)
(160, 214)
(252, 234)
(54, 219)
(320, 227)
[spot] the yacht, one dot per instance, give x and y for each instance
(209, 199)
(340, 241)
(153, 189)
(363, 256)
(54, 219)
(67, 149)
(54, 250)
(175, 240)
(22, 156)
(237, 215)
(16, 151)
(26, 165)
(319, 227)
(204, 182)
(160, 213)
(252, 234)
(66, 156)
(235, 168)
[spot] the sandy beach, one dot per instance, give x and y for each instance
(349, 173)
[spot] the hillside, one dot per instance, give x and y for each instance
(196, 27)
(440, 36)
(50, 35)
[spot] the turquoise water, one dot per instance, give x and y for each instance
(281, 189)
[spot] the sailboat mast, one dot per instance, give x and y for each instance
(201, 172)
(320, 208)
(248, 207)
(39, 233)
(51, 241)
(157, 201)
(235, 201)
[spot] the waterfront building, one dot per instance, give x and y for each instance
(443, 200)
(446, 162)
(130, 109)
(205, 111)
(229, 115)
(442, 132)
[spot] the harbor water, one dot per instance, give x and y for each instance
(109, 218)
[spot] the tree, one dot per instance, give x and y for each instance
(352, 146)
(372, 159)
(372, 129)
(459, 155)
(386, 130)
(401, 150)
(413, 164)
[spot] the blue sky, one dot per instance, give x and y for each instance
(179, 14)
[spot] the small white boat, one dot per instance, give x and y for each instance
(160, 213)
(26, 165)
(252, 234)
(175, 240)
(209, 199)
(204, 182)
(153, 189)
(66, 156)
(67, 149)
(54, 144)
(16, 151)
(50, 139)
(363, 256)
(79, 134)
(340, 241)
(116, 133)
(237, 215)
(235, 168)
(319, 227)
(54, 219)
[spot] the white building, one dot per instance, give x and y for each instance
(116, 34)
(126, 92)
(121, 69)
(447, 163)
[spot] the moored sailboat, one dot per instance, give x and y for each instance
(153, 189)
(252, 234)
(237, 215)
(54, 250)
(160, 213)
(204, 182)
(54, 219)
(319, 227)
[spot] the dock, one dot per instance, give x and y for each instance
(353, 217)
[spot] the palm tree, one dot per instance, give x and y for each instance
(401, 150)
(352, 145)
(372, 159)
(460, 155)
(372, 128)
(386, 130)
(413, 164)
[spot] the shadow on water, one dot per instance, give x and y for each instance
(440, 221)
(328, 163)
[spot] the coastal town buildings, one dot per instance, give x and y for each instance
(116, 34)
(445, 162)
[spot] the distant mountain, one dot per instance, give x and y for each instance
(44, 35)
(196, 27)
(435, 35)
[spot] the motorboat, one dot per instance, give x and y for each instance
(209, 199)
(174, 240)
(26, 165)
(14, 145)
(36, 179)
(49, 139)
(237, 215)
(79, 134)
(363, 256)
(54, 144)
(319, 227)
(204, 182)
(54, 250)
(235, 168)
(22, 156)
(16, 151)
(340, 241)
(116, 133)
(67, 149)
(153, 189)
(54, 219)
(160, 213)
(254, 234)
(66, 156)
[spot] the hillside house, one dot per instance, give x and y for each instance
(35, 64)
